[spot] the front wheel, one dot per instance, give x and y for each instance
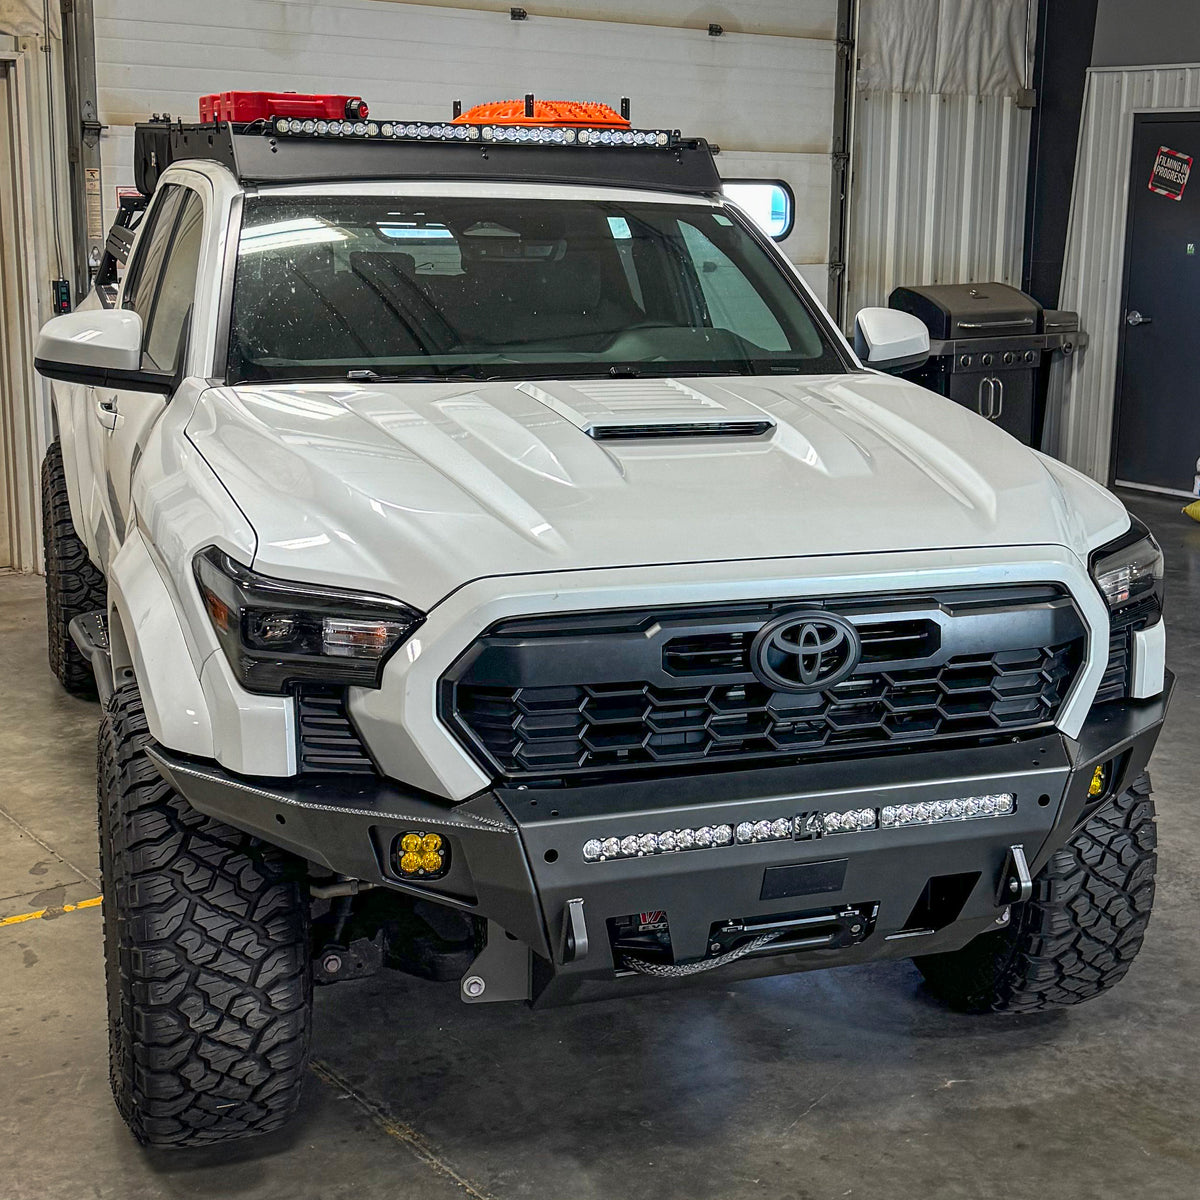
(1079, 933)
(206, 950)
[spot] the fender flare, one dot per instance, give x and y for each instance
(146, 637)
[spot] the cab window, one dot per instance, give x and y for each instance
(171, 314)
(142, 280)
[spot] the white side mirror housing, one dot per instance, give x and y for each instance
(889, 340)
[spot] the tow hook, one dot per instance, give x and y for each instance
(574, 944)
(1016, 884)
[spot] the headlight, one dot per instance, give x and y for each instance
(275, 633)
(1130, 569)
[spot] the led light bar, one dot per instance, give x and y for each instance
(854, 821)
(638, 845)
(545, 135)
(965, 808)
(803, 827)
(764, 831)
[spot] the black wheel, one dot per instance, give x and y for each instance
(206, 948)
(1081, 930)
(73, 584)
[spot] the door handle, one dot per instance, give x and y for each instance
(106, 412)
(1135, 318)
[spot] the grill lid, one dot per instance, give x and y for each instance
(970, 310)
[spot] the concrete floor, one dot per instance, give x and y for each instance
(845, 1083)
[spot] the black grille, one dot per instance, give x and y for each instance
(328, 741)
(1117, 676)
(546, 698)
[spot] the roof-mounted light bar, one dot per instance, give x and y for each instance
(544, 135)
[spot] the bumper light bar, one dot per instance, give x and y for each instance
(965, 809)
(806, 826)
(544, 135)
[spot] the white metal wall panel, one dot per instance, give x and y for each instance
(765, 98)
(1093, 269)
(786, 18)
(939, 192)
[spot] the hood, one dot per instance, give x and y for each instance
(416, 489)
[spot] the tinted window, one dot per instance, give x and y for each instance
(173, 305)
(505, 288)
(146, 266)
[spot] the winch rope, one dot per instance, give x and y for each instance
(671, 971)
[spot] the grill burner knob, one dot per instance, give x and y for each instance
(965, 361)
(987, 360)
(1009, 357)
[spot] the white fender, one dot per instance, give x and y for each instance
(146, 636)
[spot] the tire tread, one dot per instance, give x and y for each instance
(1079, 933)
(206, 952)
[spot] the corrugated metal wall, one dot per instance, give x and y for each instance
(939, 192)
(940, 146)
(763, 91)
(1093, 271)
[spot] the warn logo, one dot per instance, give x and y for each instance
(652, 920)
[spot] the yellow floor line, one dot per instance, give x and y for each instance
(53, 912)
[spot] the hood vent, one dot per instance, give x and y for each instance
(676, 429)
(630, 409)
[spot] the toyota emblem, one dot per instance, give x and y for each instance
(805, 651)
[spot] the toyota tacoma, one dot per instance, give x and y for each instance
(494, 563)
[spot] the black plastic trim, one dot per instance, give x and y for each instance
(107, 377)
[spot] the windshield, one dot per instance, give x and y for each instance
(495, 288)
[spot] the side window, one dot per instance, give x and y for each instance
(730, 297)
(142, 280)
(172, 307)
(769, 202)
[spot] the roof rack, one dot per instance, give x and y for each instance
(281, 150)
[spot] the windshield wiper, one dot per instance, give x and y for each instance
(366, 375)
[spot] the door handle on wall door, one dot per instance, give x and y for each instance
(1135, 318)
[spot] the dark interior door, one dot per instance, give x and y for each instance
(1157, 429)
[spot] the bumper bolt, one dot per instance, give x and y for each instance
(473, 987)
(1003, 918)
(331, 964)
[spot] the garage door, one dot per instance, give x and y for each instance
(762, 90)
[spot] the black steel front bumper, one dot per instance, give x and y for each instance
(516, 854)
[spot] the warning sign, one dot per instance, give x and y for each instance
(1170, 174)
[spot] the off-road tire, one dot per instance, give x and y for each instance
(207, 959)
(1079, 933)
(73, 584)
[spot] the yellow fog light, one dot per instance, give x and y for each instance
(421, 855)
(1099, 780)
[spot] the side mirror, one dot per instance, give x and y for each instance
(99, 347)
(890, 340)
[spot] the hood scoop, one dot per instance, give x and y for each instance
(630, 409)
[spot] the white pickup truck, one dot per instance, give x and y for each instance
(493, 562)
